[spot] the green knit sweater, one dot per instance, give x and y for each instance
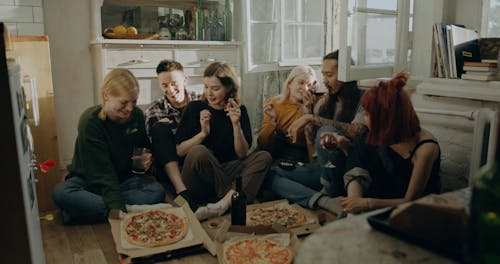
(103, 152)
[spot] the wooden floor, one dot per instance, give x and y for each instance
(93, 244)
(90, 244)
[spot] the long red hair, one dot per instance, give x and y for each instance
(391, 113)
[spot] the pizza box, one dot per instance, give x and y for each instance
(196, 241)
(275, 232)
(312, 222)
(217, 226)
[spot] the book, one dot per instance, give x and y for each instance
(465, 43)
(438, 58)
(482, 73)
(442, 49)
(467, 76)
(451, 52)
(481, 63)
(480, 68)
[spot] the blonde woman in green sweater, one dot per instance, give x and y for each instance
(100, 181)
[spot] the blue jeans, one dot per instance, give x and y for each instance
(83, 206)
(300, 185)
(332, 179)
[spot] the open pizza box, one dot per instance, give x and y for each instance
(311, 220)
(275, 232)
(195, 241)
(217, 227)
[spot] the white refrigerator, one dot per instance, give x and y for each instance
(20, 233)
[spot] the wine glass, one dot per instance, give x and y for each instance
(328, 143)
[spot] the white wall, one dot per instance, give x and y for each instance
(67, 23)
(22, 17)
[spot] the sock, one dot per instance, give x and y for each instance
(211, 210)
(332, 205)
(187, 196)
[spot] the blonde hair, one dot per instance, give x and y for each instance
(296, 72)
(118, 82)
(227, 76)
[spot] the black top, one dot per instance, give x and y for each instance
(389, 171)
(221, 139)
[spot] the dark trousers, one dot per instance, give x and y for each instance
(208, 179)
(163, 148)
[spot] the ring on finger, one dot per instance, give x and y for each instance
(238, 111)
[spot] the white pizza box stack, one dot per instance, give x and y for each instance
(195, 239)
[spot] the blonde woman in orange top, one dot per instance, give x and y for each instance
(280, 113)
(300, 183)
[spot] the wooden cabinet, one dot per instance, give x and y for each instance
(33, 56)
(142, 56)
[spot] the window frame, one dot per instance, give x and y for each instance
(280, 21)
(348, 72)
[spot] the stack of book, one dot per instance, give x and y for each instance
(485, 70)
(453, 45)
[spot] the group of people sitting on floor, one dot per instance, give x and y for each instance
(350, 150)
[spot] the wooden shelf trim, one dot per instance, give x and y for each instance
(465, 89)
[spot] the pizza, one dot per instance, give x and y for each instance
(283, 215)
(257, 250)
(154, 228)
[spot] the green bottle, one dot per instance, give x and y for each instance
(228, 22)
(483, 243)
(199, 20)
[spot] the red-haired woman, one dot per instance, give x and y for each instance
(397, 160)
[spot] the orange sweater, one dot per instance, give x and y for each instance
(286, 113)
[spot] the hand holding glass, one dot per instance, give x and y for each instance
(141, 160)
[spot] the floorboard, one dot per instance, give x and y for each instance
(106, 243)
(55, 243)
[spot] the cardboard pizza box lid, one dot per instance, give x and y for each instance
(199, 240)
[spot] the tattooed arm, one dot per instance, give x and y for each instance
(351, 130)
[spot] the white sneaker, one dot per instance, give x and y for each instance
(209, 211)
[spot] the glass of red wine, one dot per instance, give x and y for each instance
(329, 143)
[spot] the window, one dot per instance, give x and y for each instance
(286, 32)
(491, 18)
(363, 21)
(291, 32)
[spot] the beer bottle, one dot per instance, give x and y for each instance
(238, 205)
(483, 242)
(228, 22)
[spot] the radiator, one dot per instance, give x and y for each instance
(484, 138)
(484, 142)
